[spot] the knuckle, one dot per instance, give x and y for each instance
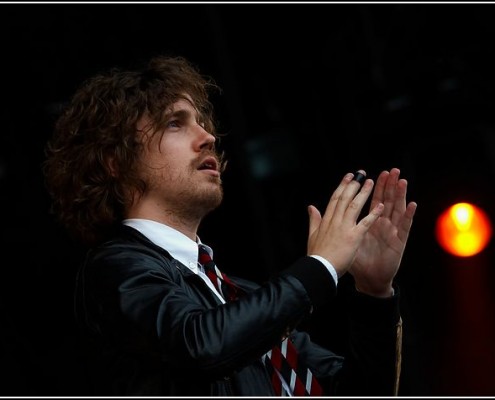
(354, 205)
(366, 222)
(335, 197)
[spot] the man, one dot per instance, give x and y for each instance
(133, 169)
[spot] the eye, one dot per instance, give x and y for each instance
(174, 123)
(201, 121)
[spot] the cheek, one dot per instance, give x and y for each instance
(168, 160)
(169, 168)
(158, 158)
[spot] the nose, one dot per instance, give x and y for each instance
(205, 139)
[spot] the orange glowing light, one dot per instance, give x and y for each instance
(463, 230)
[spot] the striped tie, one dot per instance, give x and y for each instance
(282, 359)
(222, 283)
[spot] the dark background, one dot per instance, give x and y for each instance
(310, 92)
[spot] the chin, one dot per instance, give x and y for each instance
(208, 200)
(215, 199)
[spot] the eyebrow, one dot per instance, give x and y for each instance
(184, 114)
(181, 114)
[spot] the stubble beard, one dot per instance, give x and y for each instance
(196, 200)
(188, 196)
(199, 202)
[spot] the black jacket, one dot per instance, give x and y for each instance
(153, 328)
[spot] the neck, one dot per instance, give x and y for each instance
(187, 226)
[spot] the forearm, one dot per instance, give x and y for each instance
(372, 366)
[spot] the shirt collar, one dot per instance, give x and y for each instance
(176, 243)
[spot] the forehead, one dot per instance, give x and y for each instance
(182, 105)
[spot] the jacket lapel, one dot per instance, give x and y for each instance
(196, 283)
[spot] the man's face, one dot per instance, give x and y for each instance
(180, 166)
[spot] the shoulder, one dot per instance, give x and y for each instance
(128, 240)
(128, 252)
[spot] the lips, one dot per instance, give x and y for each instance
(209, 163)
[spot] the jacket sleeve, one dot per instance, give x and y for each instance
(374, 357)
(371, 366)
(139, 302)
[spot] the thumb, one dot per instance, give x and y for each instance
(314, 219)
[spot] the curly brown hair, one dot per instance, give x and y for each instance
(98, 125)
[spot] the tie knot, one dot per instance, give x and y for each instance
(222, 283)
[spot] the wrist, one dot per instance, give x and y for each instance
(381, 292)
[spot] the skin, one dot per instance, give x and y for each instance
(371, 249)
(182, 191)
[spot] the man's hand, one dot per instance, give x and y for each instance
(380, 252)
(337, 235)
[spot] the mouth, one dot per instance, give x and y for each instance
(209, 164)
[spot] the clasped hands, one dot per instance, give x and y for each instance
(370, 249)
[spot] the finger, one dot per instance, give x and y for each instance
(334, 199)
(314, 219)
(400, 201)
(365, 224)
(359, 176)
(347, 198)
(378, 194)
(355, 207)
(406, 222)
(389, 192)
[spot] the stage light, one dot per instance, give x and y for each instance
(463, 230)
